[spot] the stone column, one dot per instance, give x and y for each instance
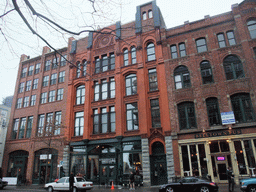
(66, 156)
(145, 162)
(169, 158)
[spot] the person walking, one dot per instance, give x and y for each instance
(132, 185)
(71, 182)
(231, 181)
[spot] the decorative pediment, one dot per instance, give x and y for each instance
(155, 133)
(104, 40)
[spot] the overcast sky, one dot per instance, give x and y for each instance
(22, 41)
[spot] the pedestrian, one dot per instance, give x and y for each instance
(231, 181)
(132, 185)
(71, 182)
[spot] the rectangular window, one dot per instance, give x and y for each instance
(79, 123)
(57, 123)
(182, 49)
(40, 126)
(96, 123)
(174, 52)
(47, 65)
(43, 98)
(112, 119)
(33, 100)
(15, 128)
(49, 124)
(26, 101)
(45, 81)
(24, 72)
(201, 45)
(37, 69)
(35, 84)
(19, 103)
(28, 85)
(51, 96)
(132, 121)
(213, 111)
(96, 91)
(60, 94)
(155, 113)
(21, 87)
(104, 122)
(63, 60)
(30, 70)
(97, 65)
(53, 78)
(221, 40)
(231, 38)
(55, 63)
(61, 76)
(22, 128)
(153, 85)
(104, 89)
(84, 68)
(105, 64)
(29, 127)
(112, 88)
(112, 61)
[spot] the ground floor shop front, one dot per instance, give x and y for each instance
(211, 153)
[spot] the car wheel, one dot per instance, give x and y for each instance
(252, 189)
(204, 189)
(50, 189)
(169, 189)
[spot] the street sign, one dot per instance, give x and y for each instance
(228, 118)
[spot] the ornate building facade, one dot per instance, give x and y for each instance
(139, 97)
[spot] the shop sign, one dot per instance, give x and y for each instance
(108, 160)
(219, 133)
(44, 156)
(228, 118)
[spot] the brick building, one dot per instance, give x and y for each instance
(34, 143)
(210, 74)
(143, 98)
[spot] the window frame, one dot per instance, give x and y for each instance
(222, 42)
(131, 119)
(155, 113)
(230, 68)
(151, 54)
(206, 79)
(189, 118)
(185, 83)
(174, 51)
(251, 25)
(79, 124)
(213, 111)
(201, 46)
(80, 95)
(132, 88)
(152, 78)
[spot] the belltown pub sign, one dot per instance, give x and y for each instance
(219, 133)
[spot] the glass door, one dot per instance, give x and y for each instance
(108, 174)
(221, 167)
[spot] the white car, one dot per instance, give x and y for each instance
(80, 184)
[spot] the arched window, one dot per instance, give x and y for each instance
(150, 14)
(242, 107)
(252, 28)
(144, 15)
(151, 52)
(206, 72)
(78, 69)
(213, 111)
(131, 84)
(233, 67)
(181, 77)
(187, 117)
(201, 45)
(133, 55)
(80, 95)
(126, 58)
(84, 67)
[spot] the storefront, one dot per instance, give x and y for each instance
(213, 152)
(104, 161)
(45, 166)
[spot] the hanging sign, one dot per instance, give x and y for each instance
(228, 118)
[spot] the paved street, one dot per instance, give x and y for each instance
(39, 188)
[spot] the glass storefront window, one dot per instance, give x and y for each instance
(240, 157)
(93, 167)
(194, 162)
(214, 147)
(249, 153)
(78, 165)
(203, 163)
(185, 158)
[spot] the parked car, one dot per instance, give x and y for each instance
(248, 184)
(80, 184)
(3, 183)
(190, 184)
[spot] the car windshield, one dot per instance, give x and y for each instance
(80, 179)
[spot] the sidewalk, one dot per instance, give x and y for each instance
(222, 188)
